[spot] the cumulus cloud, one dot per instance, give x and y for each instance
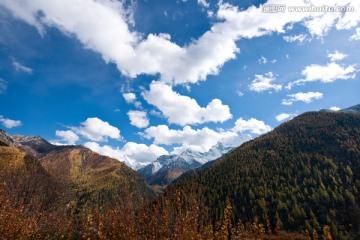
(335, 56)
(132, 154)
(195, 139)
(325, 74)
(9, 123)
(307, 97)
(295, 38)
(263, 83)
(157, 54)
(129, 97)
(251, 125)
(97, 130)
(355, 36)
(138, 118)
(21, 68)
(68, 137)
(3, 86)
(183, 110)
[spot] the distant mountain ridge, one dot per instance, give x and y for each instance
(33, 145)
(167, 168)
(353, 109)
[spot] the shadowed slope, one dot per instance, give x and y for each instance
(301, 176)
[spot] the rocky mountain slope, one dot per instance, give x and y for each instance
(33, 145)
(78, 174)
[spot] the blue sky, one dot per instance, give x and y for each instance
(138, 79)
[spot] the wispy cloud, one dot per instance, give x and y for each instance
(3, 86)
(296, 38)
(356, 35)
(263, 83)
(21, 68)
(307, 97)
(336, 56)
(283, 116)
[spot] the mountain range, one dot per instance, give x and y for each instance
(299, 181)
(167, 168)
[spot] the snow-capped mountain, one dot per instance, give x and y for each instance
(195, 158)
(167, 168)
(164, 164)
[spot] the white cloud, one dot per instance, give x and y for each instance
(69, 137)
(335, 56)
(295, 38)
(325, 74)
(97, 130)
(307, 97)
(183, 110)
(203, 3)
(263, 83)
(334, 108)
(138, 119)
(152, 54)
(3, 86)
(132, 154)
(263, 60)
(196, 139)
(283, 116)
(322, 23)
(9, 123)
(356, 36)
(129, 97)
(252, 125)
(21, 68)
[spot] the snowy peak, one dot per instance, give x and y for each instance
(166, 168)
(164, 163)
(215, 152)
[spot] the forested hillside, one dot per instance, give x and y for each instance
(300, 181)
(300, 177)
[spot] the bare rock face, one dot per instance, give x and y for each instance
(32, 145)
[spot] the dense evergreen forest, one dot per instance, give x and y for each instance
(300, 177)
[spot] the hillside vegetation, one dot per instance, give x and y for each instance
(300, 181)
(300, 177)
